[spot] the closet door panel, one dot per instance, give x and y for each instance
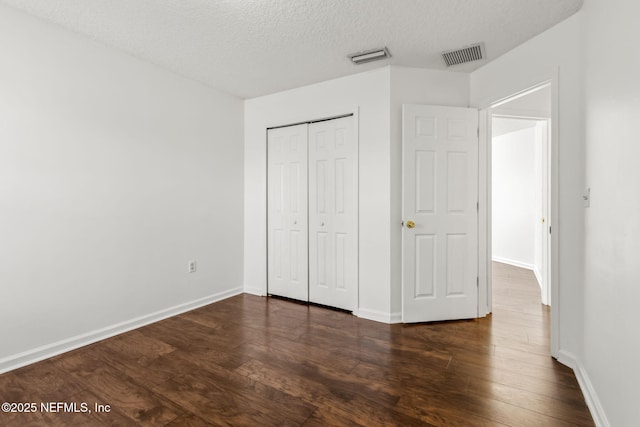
(287, 214)
(333, 214)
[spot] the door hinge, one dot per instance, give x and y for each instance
(477, 206)
(478, 132)
(477, 281)
(549, 229)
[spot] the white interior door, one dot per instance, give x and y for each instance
(287, 212)
(333, 216)
(440, 196)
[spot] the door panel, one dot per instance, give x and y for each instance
(425, 173)
(440, 194)
(457, 182)
(425, 269)
(333, 215)
(287, 212)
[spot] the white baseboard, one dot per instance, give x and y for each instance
(46, 351)
(255, 291)
(396, 318)
(590, 396)
(513, 262)
(378, 316)
(538, 277)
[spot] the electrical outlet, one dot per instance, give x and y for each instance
(192, 267)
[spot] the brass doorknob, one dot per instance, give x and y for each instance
(411, 224)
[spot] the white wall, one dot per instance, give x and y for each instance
(113, 174)
(378, 95)
(612, 247)
(553, 54)
(368, 94)
(514, 210)
(414, 86)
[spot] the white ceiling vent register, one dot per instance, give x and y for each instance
(462, 56)
(370, 55)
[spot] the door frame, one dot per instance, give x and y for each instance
(484, 214)
(344, 112)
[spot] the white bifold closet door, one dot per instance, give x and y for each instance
(287, 212)
(312, 213)
(333, 213)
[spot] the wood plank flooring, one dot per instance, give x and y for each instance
(251, 361)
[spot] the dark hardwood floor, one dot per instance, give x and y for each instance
(251, 361)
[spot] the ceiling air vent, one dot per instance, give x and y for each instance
(370, 55)
(462, 56)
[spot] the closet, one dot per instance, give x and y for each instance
(312, 212)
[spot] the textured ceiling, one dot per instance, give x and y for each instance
(255, 47)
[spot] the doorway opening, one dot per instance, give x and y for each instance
(519, 194)
(520, 250)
